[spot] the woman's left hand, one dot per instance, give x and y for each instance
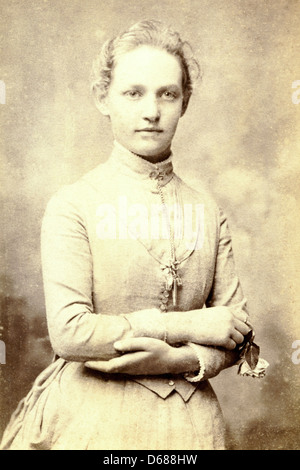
(140, 356)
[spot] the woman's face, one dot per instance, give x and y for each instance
(144, 101)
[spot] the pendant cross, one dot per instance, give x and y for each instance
(173, 280)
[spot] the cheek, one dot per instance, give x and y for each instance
(173, 119)
(120, 121)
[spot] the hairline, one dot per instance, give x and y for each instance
(117, 56)
(151, 33)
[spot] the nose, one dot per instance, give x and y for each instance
(151, 109)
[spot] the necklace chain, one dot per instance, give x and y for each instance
(170, 226)
(173, 279)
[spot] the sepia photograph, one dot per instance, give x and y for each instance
(150, 261)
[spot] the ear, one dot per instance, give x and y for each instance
(102, 106)
(185, 103)
(101, 102)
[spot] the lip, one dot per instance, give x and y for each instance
(149, 129)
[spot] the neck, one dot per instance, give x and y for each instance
(155, 158)
(160, 157)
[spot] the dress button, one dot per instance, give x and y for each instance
(171, 383)
(163, 307)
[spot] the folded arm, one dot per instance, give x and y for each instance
(215, 330)
(78, 334)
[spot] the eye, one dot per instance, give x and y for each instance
(133, 94)
(169, 95)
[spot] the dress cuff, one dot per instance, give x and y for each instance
(191, 377)
(147, 323)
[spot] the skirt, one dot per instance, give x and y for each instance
(71, 407)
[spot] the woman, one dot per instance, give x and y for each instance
(143, 303)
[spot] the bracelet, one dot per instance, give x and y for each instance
(200, 375)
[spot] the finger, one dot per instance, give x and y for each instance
(111, 366)
(134, 344)
(241, 315)
(242, 327)
(102, 366)
(237, 337)
(230, 344)
(117, 364)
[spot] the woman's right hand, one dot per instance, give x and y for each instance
(215, 326)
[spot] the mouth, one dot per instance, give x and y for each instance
(150, 129)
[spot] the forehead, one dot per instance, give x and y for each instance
(147, 65)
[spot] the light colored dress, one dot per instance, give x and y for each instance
(105, 252)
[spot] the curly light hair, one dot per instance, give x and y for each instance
(148, 32)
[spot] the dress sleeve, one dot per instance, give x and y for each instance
(226, 291)
(76, 332)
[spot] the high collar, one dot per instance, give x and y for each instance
(136, 167)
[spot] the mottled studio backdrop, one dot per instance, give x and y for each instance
(240, 138)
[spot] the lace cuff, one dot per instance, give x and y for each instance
(190, 377)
